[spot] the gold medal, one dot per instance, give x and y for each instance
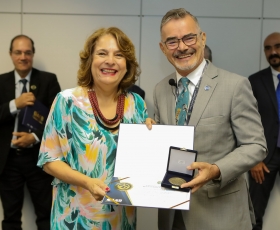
(123, 186)
(177, 181)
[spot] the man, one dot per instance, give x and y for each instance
(228, 132)
(264, 84)
(207, 53)
(19, 146)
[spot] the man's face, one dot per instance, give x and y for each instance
(272, 50)
(184, 58)
(22, 55)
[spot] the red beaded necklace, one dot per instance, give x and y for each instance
(98, 114)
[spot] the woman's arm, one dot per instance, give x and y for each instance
(65, 173)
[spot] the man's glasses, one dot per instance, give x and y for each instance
(19, 53)
(188, 40)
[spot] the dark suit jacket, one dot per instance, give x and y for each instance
(138, 90)
(264, 91)
(47, 87)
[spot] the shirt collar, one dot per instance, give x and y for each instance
(274, 72)
(195, 75)
(17, 77)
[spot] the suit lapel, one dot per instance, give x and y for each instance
(34, 82)
(10, 86)
(268, 83)
(207, 86)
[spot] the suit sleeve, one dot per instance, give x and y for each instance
(53, 89)
(5, 114)
(247, 128)
(6, 96)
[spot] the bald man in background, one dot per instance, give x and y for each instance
(207, 53)
(264, 84)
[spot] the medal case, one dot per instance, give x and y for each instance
(177, 172)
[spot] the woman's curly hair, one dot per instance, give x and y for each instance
(85, 78)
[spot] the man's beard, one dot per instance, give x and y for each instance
(273, 64)
(276, 65)
(185, 67)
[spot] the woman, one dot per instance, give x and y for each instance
(79, 142)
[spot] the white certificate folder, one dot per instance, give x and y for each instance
(141, 160)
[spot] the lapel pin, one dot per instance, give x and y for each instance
(33, 87)
(207, 87)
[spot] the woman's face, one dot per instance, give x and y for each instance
(109, 64)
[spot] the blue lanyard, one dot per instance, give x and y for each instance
(190, 109)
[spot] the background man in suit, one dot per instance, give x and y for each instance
(228, 132)
(264, 84)
(138, 90)
(19, 146)
(207, 53)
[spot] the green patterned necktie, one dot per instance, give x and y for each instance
(182, 101)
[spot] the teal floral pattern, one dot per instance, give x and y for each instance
(72, 135)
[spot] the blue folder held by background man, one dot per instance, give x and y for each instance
(35, 116)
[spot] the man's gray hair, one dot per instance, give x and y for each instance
(177, 14)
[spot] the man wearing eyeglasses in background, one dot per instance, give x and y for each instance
(228, 132)
(19, 146)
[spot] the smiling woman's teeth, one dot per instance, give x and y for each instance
(108, 71)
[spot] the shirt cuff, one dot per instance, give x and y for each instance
(36, 138)
(13, 107)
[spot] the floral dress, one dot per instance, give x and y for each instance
(72, 135)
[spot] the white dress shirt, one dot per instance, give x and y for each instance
(275, 78)
(194, 77)
(12, 104)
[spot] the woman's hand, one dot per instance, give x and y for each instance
(62, 171)
(149, 122)
(97, 188)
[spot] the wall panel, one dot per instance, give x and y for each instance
(234, 42)
(214, 8)
(125, 7)
(10, 27)
(10, 6)
(271, 9)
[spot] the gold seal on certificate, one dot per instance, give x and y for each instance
(123, 186)
(176, 181)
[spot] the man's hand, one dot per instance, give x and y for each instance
(206, 172)
(24, 100)
(23, 140)
(149, 122)
(257, 172)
